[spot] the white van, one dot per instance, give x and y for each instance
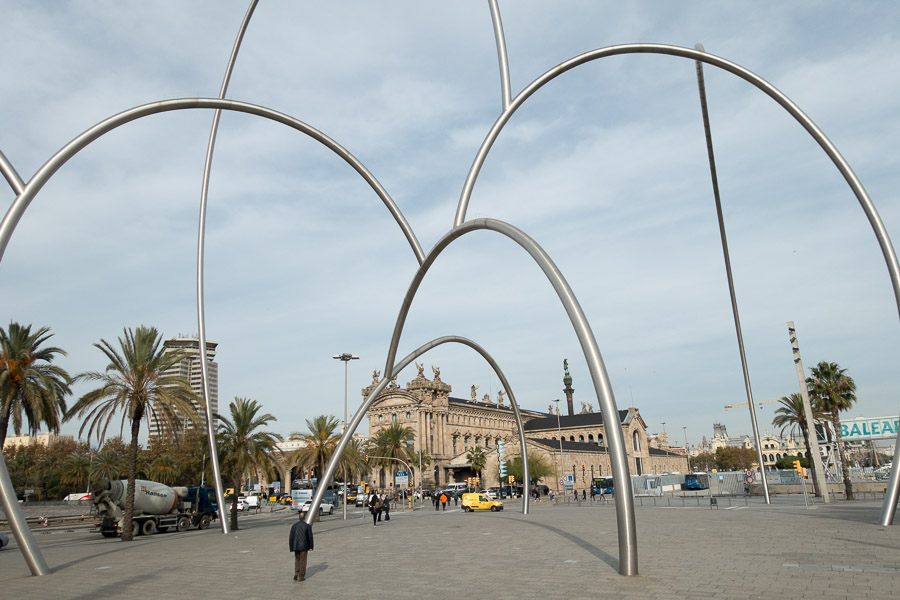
(456, 487)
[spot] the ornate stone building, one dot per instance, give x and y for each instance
(446, 428)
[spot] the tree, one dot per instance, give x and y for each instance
(136, 383)
(834, 391)
(164, 470)
(318, 444)
(243, 447)
(107, 465)
(392, 443)
(792, 414)
(477, 459)
(733, 459)
(76, 470)
(29, 383)
(538, 468)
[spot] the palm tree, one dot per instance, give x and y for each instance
(107, 465)
(834, 391)
(477, 459)
(164, 470)
(29, 384)
(318, 444)
(242, 447)
(792, 414)
(394, 442)
(136, 382)
(76, 470)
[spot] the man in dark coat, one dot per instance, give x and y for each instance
(301, 542)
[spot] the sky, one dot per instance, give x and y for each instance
(605, 167)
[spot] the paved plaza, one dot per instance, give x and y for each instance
(745, 550)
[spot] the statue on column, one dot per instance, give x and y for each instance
(437, 373)
(375, 375)
(486, 399)
(500, 397)
(421, 368)
(474, 387)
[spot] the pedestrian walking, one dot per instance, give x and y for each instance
(375, 508)
(300, 542)
(443, 501)
(584, 494)
(436, 500)
(387, 508)
(456, 499)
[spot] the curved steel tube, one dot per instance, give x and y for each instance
(505, 93)
(40, 178)
(11, 175)
(892, 494)
(201, 240)
(701, 86)
(331, 468)
(625, 517)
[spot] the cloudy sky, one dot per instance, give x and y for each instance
(605, 168)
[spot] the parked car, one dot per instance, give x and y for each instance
(492, 493)
(251, 502)
(241, 503)
(324, 508)
(472, 502)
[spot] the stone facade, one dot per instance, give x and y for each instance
(447, 428)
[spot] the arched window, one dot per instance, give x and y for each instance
(409, 415)
(454, 443)
(380, 418)
(394, 417)
(580, 438)
(590, 438)
(636, 441)
(599, 439)
(571, 438)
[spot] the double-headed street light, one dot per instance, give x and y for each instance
(346, 357)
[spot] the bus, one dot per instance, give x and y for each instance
(301, 491)
(604, 484)
(696, 481)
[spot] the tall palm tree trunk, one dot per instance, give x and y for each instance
(128, 519)
(845, 463)
(4, 425)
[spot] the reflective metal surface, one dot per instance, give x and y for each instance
(627, 531)
(373, 395)
(701, 85)
(20, 529)
(201, 237)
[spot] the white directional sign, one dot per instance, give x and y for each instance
(569, 481)
(401, 478)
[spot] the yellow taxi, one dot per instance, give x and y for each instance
(472, 502)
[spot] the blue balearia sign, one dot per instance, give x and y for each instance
(869, 429)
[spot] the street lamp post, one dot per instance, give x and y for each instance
(346, 357)
(687, 451)
(559, 429)
(667, 446)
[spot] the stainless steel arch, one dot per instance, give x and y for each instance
(627, 531)
(373, 395)
(40, 178)
(893, 489)
(11, 175)
(201, 240)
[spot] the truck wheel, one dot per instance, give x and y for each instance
(182, 524)
(135, 529)
(204, 522)
(148, 527)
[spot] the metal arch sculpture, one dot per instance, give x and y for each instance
(892, 493)
(26, 192)
(360, 414)
(625, 517)
(40, 178)
(201, 247)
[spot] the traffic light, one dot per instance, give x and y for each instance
(502, 468)
(501, 450)
(797, 467)
(512, 479)
(367, 458)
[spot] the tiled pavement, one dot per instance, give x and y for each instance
(743, 551)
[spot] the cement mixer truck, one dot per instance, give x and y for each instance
(157, 507)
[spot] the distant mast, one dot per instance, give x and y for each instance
(569, 390)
